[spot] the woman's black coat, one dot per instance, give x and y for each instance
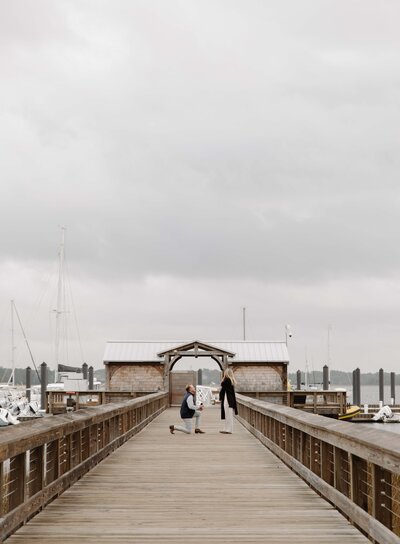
(228, 389)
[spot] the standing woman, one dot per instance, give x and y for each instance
(228, 400)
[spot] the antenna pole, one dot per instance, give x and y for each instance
(60, 298)
(244, 323)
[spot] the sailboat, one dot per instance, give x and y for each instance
(67, 377)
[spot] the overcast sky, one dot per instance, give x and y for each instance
(203, 156)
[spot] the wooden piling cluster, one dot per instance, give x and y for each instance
(40, 459)
(355, 468)
(356, 385)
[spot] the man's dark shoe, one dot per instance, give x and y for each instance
(171, 429)
(199, 431)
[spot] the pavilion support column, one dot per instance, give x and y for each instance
(166, 371)
(224, 362)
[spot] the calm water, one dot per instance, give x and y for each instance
(370, 395)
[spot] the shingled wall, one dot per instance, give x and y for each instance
(259, 377)
(138, 377)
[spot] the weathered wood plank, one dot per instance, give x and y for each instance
(160, 488)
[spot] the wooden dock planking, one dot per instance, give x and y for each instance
(159, 488)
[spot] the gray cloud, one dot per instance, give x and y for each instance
(212, 143)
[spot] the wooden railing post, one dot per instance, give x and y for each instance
(382, 496)
(327, 472)
(17, 491)
(359, 490)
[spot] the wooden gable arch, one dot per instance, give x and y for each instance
(194, 349)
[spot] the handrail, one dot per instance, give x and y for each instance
(57, 400)
(327, 401)
(355, 468)
(42, 458)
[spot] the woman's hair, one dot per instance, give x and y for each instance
(228, 373)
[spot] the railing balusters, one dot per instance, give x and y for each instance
(359, 483)
(327, 463)
(382, 495)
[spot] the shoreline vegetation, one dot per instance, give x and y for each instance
(213, 377)
(339, 377)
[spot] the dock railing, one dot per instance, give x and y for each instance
(57, 400)
(355, 468)
(328, 402)
(40, 459)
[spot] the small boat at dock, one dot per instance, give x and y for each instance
(351, 411)
(329, 403)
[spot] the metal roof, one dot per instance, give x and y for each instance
(246, 351)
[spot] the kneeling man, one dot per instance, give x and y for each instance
(188, 410)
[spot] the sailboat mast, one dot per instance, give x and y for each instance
(60, 299)
(11, 380)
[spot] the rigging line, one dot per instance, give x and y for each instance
(26, 341)
(74, 311)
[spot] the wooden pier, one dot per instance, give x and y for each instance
(114, 473)
(163, 488)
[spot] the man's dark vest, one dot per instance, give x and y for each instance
(186, 413)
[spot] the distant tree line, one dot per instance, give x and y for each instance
(213, 377)
(338, 377)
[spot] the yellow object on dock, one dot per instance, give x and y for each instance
(351, 411)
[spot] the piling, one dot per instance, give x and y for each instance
(199, 377)
(85, 371)
(43, 385)
(325, 377)
(381, 386)
(356, 387)
(393, 387)
(91, 380)
(28, 383)
(298, 379)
